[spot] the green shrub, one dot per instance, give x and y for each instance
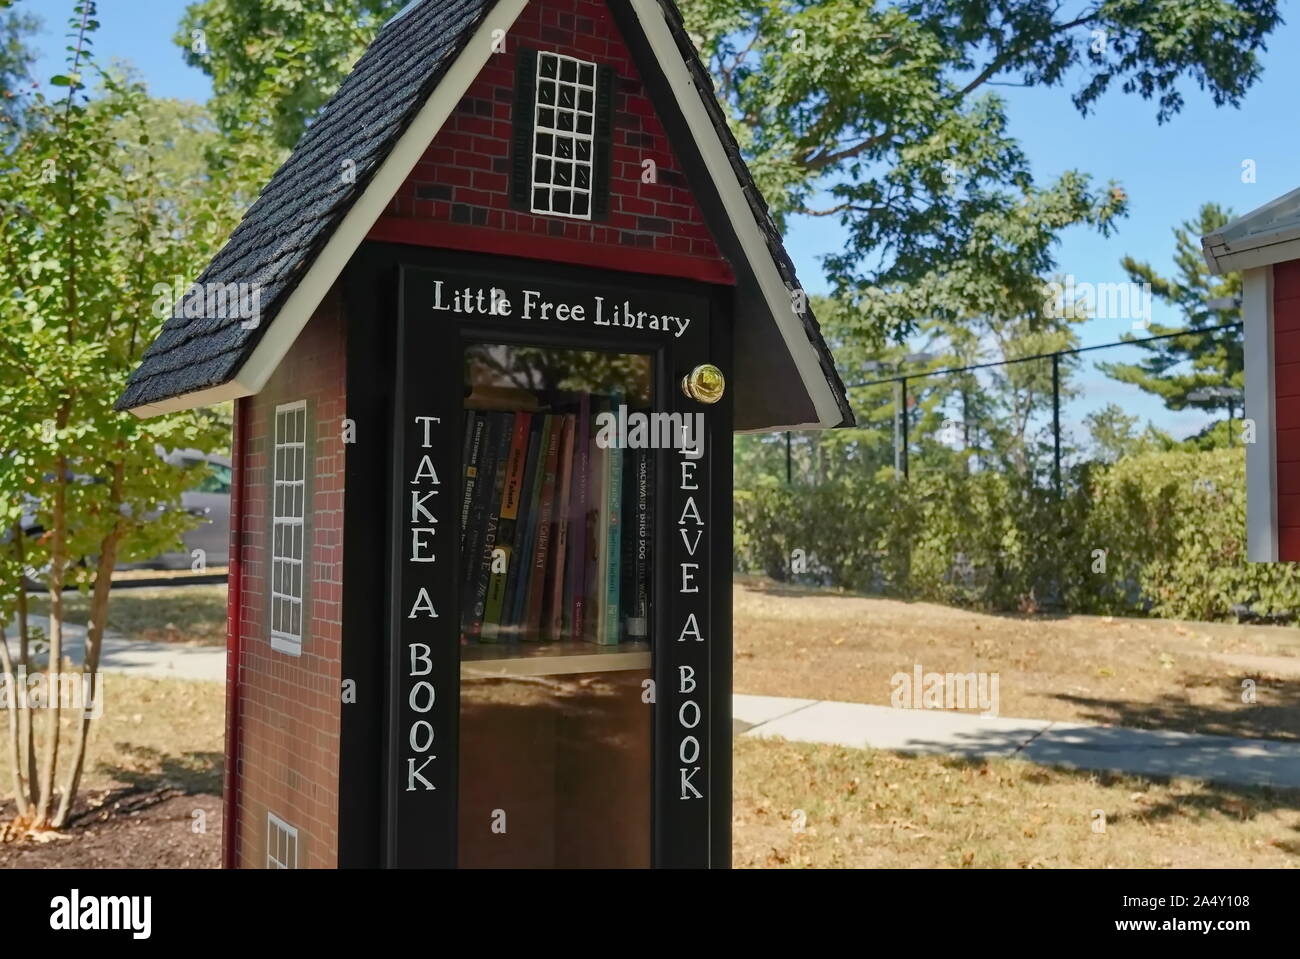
(1162, 533)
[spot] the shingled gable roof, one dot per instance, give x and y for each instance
(299, 234)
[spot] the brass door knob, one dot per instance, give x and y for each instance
(704, 384)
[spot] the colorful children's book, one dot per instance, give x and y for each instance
(543, 530)
(575, 584)
(511, 490)
(488, 513)
(520, 555)
(556, 609)
(609, 630)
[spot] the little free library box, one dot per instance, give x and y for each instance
(514, 291)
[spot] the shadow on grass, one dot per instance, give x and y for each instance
(1274, 715)
(1240, 802)
(150, 769)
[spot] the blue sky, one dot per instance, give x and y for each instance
(1167, 171)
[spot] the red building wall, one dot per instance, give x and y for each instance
(287, 710)
(458, 194)
(1286, 378)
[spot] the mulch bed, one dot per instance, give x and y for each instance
(124, 829)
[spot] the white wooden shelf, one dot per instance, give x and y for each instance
(484, 660)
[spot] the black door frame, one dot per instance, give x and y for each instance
(369, 817)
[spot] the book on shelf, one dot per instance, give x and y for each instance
(543, 528)
(512, 481)
(555, 526)
(563, 515)
(574, 588)
(638, 469)
(480, 536)
(609, 539)
(520, 554)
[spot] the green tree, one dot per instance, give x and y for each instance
(16, 60)
(93, 224)
(1201, 370)
(1115, 435)
(880, 114)
(274, 63)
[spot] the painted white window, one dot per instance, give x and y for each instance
(563, 129)
(281, 843)
(288, 527)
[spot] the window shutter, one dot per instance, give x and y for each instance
(521, 164)
(602, 154)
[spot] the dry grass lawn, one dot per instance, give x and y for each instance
(1148, 674)
(865, 808)
(153, 733)
(172, 614)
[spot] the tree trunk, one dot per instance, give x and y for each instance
(26, 731)
(15, 762)
(94, 643)
(58, 567)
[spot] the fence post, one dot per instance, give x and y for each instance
(1056, 423)
(902, 412)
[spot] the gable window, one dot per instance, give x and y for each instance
(563, 131)
(563, 135)
(288, 527)
(281, 843)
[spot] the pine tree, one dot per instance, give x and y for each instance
(1199, 370)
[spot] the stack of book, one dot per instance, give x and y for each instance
(555, 527)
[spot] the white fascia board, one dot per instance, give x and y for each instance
(754, 244)
(1261, 456)
(1275, 248)
(349, 234)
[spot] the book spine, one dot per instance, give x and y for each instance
(574, 599)
(593, 583)
(469, 467)
(471, 528)
(545, 511)
(638, 623)
(493, 483)
(627, 547)
(510, 495)
(564, 484)
(611, 632)
(518, 574)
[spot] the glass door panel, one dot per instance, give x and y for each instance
(556, 580)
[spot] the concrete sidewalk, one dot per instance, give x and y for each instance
(137, 657)
(1257, 762)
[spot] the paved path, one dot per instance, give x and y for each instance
(139, 658)
(1073, 745)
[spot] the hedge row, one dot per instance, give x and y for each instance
(1162, 533)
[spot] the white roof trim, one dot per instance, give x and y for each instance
(330, 262)
(349, 234)
(1262, 237)
(655, 24)
(1261, 455)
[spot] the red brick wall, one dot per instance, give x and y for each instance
(1286, 377)
(458, 194)
(288, 710)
